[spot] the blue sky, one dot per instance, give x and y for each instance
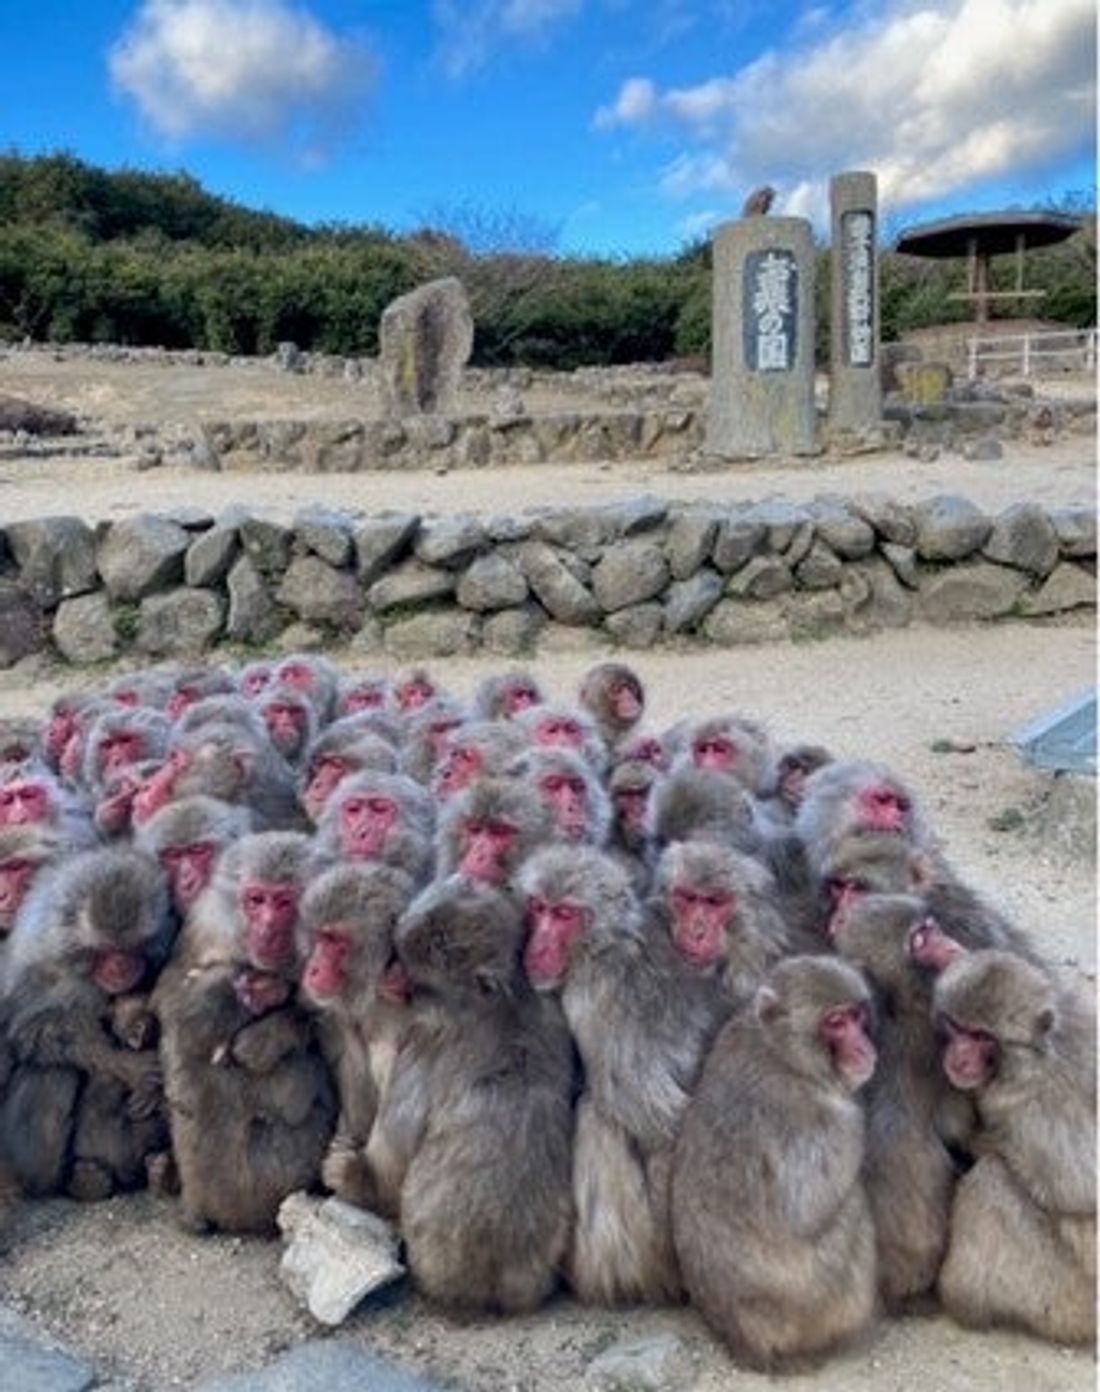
(599, 126)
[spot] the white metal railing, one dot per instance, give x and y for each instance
(1029, 353)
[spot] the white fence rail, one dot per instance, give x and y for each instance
(1032, 354)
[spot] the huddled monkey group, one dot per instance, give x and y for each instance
(648, 1015)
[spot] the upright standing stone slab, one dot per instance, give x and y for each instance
(855, 383)
(424, 341)
(762, 377)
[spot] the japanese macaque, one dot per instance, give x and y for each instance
(113, 813)
(642, 1022)
(356, 694)
(909, 1172)
(555, 726)
(25, 851)
(758, 201)
(383, 818)
(613, 695)
(427, 730)
(489, 829)
(793, 767)
(734, 745)
(250, 1100)
(505, 695)
(252, 678)
(892, 867)
(186, 838)
(480, 749)
(694, 804)
(644, 749)
(83, 1107)
(630, 784)
(851, 801)
(30, 795)
(770, 1217)
(20, 742)
(1022, 1244)
(291, 719)
(196, 684)
(475, 1128)
(412, 689)
(120, 739)
(314, 677)
(228, 761)
(135, 690)
(61, 725)
(720, 911)
(353, 979)
(343, 748)
(565, 783)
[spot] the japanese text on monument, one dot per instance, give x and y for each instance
(858, 251)
(770, 311)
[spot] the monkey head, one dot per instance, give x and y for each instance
(346, 935)
(816, 1012)
(412, 690)
(123, 737)
(28, 796)
(114, 913)
(644, 749)
(461, 937)
(380, 817)
(313, 677)
(564, 782)
(575, 899)
(254, 678)
(692, 803)
(263, 876)
(194, 686)
(504, 695)
(794, 767)
(630, 783)
(342, 749)
(290, 718)
(734, 745)
(559, 726)
(613, 694)
(356, 694)
(488, 829)
(480, 749)
(24, 850)
(186, 837)
(985, 1005)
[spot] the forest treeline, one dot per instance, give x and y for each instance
(90, 255)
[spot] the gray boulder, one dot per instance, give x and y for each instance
(561, 593)
(638, 626)
(688, 602)
(949, 528)
(656, 1363)
(380, 542)
(490, 583)
(1023, 536)
(452, 542)
(847, 533)
(513, 632)
(181, 623)
(629, 573)
(443, 633)
(1067, 587)
(84, 629)
(410, 584)
(253, 616)
(739, 538)
(319, 593)
(266, 544)
(327, 533)
(689, 542)
(763, 577)
(21, 627)
(335, 1254)
(820, 569)
(1076, 529)
(140, 555)
(903, 559)
(892, 520)
(209, 557)
(424, 342)
(977, 590)
(736, 621)
(56, 557)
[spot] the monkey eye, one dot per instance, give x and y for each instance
(15, 867)
(554, 783)
(254, 898)
(379, 807)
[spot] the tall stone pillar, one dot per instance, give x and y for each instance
(855, 385)
(762, 340)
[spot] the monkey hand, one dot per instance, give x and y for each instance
(133, 1023)
(142, 1077)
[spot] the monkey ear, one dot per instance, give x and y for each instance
(245, 764)
(766, 1005)
(1044, 1022)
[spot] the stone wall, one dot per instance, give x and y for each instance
(636, 573)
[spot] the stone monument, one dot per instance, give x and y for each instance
(762, 371)
(855, 381)
(424, 342)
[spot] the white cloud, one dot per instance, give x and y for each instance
(934, 95)
(471, 29)
(242, 70)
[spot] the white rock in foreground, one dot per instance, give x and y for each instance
(335, 1255)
